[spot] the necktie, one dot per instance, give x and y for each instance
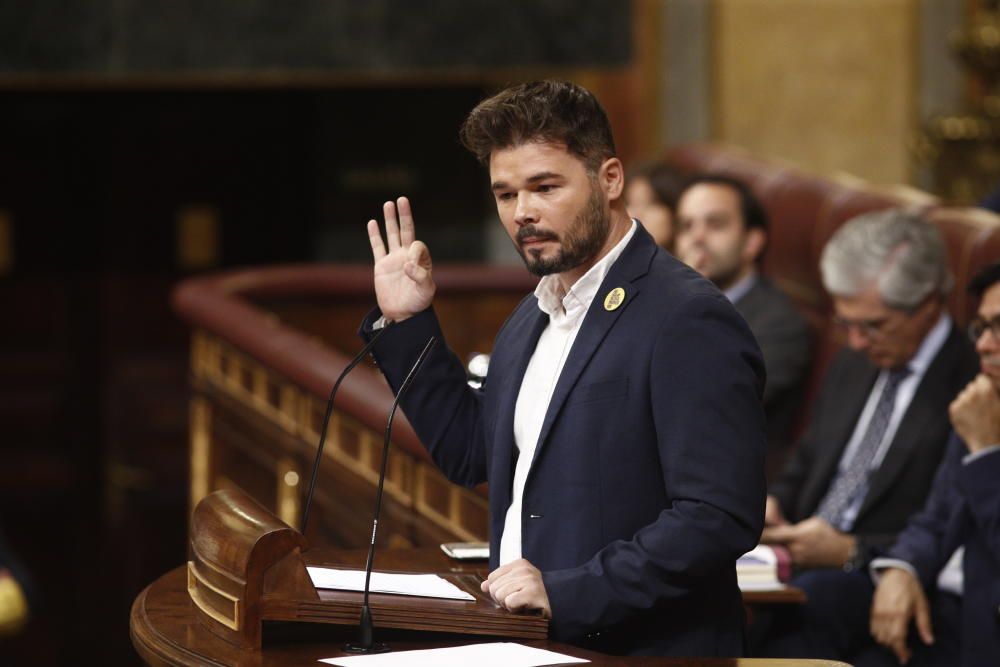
(853, 481)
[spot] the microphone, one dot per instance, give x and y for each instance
(365, 644)
(326, 422)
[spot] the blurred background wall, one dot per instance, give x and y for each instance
(143, 142)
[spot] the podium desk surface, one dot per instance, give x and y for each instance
(165, 630)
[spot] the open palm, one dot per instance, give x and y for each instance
(403, 282)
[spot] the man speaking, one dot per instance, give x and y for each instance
(620, 427)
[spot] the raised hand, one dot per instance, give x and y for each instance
(403, 282)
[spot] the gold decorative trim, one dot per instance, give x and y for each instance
(201, 449)
(196, 583)
(289, 498)
(350, 444)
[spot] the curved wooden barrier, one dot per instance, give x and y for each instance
(267, 345)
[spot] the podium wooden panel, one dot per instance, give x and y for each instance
(166, 632)
(246, 567)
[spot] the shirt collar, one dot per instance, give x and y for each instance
(740, 289)
(930, 346)
(573, 303)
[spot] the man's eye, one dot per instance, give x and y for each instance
(545, 187)
(505, 196)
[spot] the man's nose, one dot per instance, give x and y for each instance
(524, 213)
(697, 233)
(857, 339)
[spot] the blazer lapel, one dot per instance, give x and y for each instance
(626, 273)
(526, 333)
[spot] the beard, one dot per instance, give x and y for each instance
(721, 266)
(579, 244)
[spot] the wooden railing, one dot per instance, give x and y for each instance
(267, 345)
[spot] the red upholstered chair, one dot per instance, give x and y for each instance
(806, 209)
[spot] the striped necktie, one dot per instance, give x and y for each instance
(852, 482)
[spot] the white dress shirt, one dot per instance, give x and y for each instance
(566, 311)
(918, 365)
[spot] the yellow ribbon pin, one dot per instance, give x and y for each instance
(615, 298)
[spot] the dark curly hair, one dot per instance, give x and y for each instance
(556, 112)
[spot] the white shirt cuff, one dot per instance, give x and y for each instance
(380, 323)
(969, 458)
(876, 566)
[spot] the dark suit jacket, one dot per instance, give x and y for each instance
(784, 341)
(647, 481)
(963, 509)
(900, 485)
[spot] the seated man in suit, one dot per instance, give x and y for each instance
(722, 234)
(877, 430)
(620, 426)
(950, 552)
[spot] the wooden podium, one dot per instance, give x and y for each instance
(246, 566)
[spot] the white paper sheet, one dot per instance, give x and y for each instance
(422, 585)
(497, 654)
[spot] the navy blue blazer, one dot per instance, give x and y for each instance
(963, 508)
(648, 478)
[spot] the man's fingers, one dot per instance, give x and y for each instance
(519, 600)
(375, 237)
(418, 263)
(770, 535)
(924, 628)
(407, 233)
(901, 650)
(391, 225)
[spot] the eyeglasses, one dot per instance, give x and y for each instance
(869, 328)
(981, 325)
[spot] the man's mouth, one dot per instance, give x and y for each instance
(533, 238)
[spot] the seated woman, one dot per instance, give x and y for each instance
(651, 192)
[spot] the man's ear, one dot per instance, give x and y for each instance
(756, 240)
(611, 177)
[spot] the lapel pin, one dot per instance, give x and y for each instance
(614, 299)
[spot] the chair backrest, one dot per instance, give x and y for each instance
(806, 209)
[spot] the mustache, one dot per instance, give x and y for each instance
(534, 232)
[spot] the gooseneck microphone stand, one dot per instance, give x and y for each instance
(365, 642)
(326, 422)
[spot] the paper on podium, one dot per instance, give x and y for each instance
(421, 585)
(495, 654)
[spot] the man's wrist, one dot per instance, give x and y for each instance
(856, 554)
(879, 567)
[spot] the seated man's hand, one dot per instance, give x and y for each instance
(899, 599)
(772, 513)
(975, 414)
(812, 543)
(517, 586)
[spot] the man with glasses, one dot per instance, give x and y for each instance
(950, 552)
(877, 430)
